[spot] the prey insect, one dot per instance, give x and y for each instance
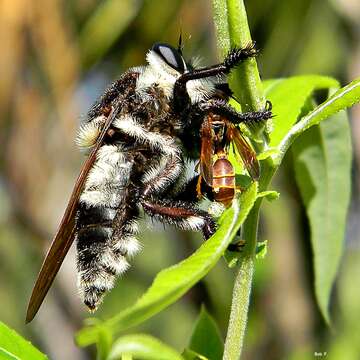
(139, 134)
(217, 133)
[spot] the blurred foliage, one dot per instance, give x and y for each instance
(57, 57)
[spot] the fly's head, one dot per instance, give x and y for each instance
(165, 66)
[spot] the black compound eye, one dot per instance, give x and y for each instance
(170, 55)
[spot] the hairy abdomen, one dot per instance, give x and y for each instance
(106, 224)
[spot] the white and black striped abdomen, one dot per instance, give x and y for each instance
(104, 235)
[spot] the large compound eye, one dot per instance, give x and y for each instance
(170, 55)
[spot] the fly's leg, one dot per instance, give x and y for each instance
(221, 107)
(184, 215)
(233, 58)
(156, 181)
(180, 211)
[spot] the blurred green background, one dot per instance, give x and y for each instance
(56, 57)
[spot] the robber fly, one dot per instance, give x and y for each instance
(216, 134)
(138, 135)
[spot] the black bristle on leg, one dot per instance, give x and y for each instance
(221, 107)
(233, 58)
(209, 228)
(237, 55)
(181, 214)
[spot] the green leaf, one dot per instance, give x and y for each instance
(13, 346)
(144, 347)
(261, 249)
(170, 284)
(288, 97)
(104, 27)
(192, 355)
(340, 100)
(270, 152)
(232, 258)
(323, 173)
(270, 195)
(206, 338)
(4, 355)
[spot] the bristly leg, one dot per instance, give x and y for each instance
(221, 107)
(233, 58)
(236, 55)
(155, 182)
(181, 214)
(181, 210)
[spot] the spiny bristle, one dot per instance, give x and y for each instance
(236, 55)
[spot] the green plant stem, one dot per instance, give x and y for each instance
(233, 31)
(241, 293)
(243, 280)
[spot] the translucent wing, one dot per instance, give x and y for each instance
(206, 153)
(66, 232)
(244, 149)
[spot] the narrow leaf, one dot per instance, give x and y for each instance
(340, 100)
(192, 355)
(288, 97)
(323, 173)
(270, 195)
(4, 355)
(206, 338)
(170, 284)
(270, 152)
(13, 346)
(261, 249)
(143, 347)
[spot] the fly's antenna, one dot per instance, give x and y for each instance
(180, 43)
